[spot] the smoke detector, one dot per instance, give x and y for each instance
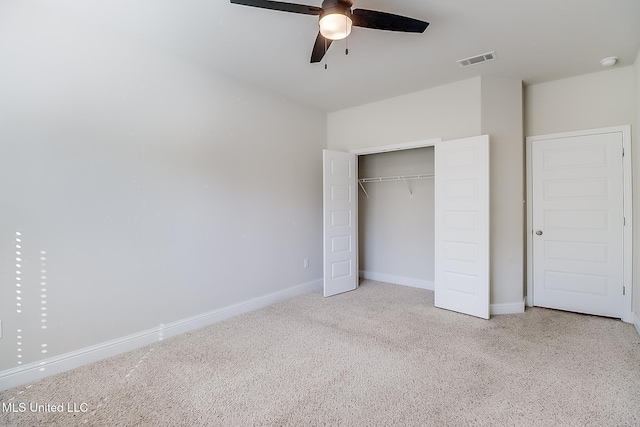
(608, 62)
(473, 60)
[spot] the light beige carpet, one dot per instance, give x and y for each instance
(379, 356)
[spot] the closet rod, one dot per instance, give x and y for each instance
(395, 178)
(404, 178)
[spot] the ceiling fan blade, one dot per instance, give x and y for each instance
(281, 6)
(320, 48)
(387, 21)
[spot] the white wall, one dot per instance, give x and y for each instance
(449, 111)
(502, 119)
(606, 98)
(585, 102)
(635, 153)
(466, 108)
(158, 190)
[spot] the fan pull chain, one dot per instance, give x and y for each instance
(325, 54)
(346, 39)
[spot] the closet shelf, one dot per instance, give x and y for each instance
(395, 178)
(404, 178)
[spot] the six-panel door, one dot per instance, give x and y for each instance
(340, 220)
(462, 225)
(578, 214)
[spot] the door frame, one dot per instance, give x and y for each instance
(627, 269)
(386, 149)
(396, 147)
(354, 154)
(469, 307)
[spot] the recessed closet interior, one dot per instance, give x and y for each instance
(396, 216)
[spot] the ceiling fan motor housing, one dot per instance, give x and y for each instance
(329, 4)
(330, 7)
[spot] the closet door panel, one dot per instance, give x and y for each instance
(340, 222)
(462, 225)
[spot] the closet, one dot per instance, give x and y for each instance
(392, 227)
(396, 217)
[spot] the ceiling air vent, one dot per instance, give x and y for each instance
(489, 56)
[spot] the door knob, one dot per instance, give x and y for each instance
(539, 232)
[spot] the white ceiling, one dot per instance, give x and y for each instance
(535, 41)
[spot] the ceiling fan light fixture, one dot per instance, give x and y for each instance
(335, 25)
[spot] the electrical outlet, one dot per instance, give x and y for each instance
(0, 329)
(305, 263)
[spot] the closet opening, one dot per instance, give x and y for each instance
(396, 217)
(445, 248)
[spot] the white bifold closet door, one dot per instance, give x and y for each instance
(461, 224)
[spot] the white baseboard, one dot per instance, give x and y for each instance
(636, 322)
(509, 308)
(494, 309)
(398, 280)
(34, 371)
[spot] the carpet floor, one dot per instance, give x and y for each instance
(379, 356)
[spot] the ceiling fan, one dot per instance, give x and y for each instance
(337, 18)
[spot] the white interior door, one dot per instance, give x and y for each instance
(340, 222)
(578, 223)
(462, 225)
